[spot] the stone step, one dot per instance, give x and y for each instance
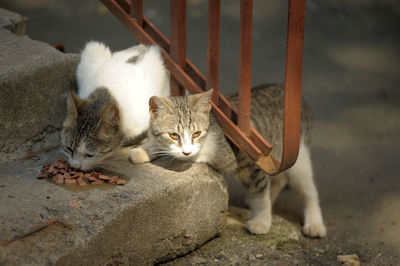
(34, 80)
(165, 210)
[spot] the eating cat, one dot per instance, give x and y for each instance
(183, 127)
(110, 110)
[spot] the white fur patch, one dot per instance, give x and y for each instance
(78, 161)
(139, 155)
(187, 146)
(175, 149)
(301, 180)
(132, 85)
(207, 149)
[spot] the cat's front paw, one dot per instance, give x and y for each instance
(138, 155)
(258, 226)
(314, 229)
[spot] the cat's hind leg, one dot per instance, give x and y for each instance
(300, 179)
(258, 197)
(277, 184)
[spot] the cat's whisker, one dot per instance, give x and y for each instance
(113, 161)
(162, 149)
(172, 159)
(161, 153)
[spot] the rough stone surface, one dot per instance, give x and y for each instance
(162, 212)
(235, 246)
(12, 21)
(34, 80)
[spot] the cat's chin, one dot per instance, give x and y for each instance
(189, 158)
(84, 166)
(87, 168)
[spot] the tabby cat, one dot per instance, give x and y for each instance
(111, 108)
(183, 128)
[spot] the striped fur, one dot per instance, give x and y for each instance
(178, 115)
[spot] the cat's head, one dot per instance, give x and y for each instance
(180, 124)
(91, 131)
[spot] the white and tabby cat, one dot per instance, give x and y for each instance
(111, 108)
(182, 127)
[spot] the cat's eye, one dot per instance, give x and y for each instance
(196, 134)
(174, 136)
(88, 155)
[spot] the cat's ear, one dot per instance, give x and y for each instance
(110, 120)
(111, 112)
(74, 108)
(72, 113)
(201, 102)
(75, 104)
(158, 103)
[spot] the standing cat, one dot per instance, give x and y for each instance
(111, 110)
(181, 127)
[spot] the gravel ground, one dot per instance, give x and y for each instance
(283, 245)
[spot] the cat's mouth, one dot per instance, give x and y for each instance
(83, 168)
(82, 165)
(186, 156)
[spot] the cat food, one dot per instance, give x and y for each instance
(60, 172)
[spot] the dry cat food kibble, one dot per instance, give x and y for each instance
(60, 172)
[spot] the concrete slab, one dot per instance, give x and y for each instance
(159, 214)
(34, 80)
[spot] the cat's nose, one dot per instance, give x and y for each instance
(76, 167)
(75, 164)
(187, 153)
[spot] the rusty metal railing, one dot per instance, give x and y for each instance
(236, 123)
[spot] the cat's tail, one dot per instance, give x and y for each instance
(92, 57)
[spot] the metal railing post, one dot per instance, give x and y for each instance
(293, 79)
(214, 9)
(246, 18)
(137, 11)
(177, 40)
